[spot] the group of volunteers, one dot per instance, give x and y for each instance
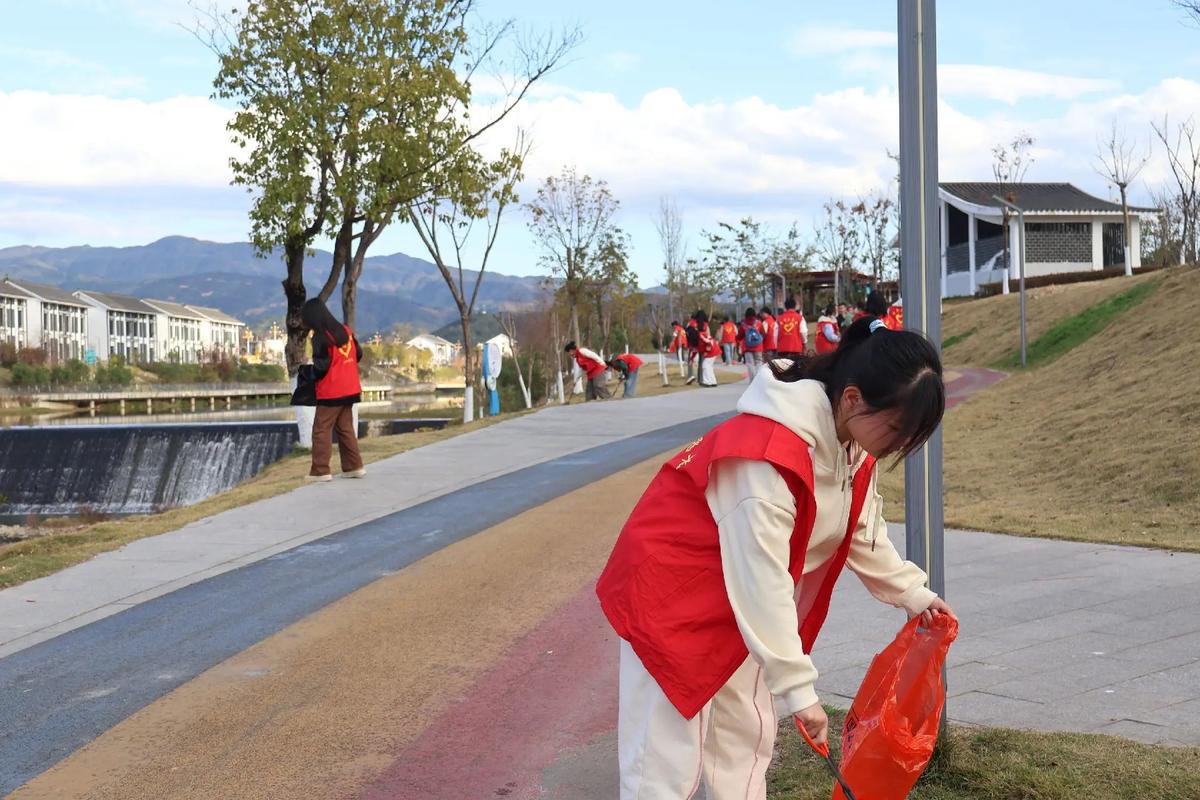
(721, 578)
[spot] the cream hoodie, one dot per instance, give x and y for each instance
(755, 514)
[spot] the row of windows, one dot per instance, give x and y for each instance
(63, 319)
(123, 324)
(12, 313)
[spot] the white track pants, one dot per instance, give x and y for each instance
(728, 745)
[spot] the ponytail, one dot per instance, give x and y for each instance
(892, 369)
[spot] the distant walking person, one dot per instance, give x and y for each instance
(593, 367)
(793, 332)
(827, 332)
(710, 349)
(750, 334)
(335, 357)
(627, 365)
(729, 334)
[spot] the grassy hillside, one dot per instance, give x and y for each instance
(981, 333)
(1098, 444)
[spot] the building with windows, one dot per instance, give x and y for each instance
(1066, 230)
(180, 332)
(121, 326)
(54, 320)
(14, 315)
(443, 350)
(220, 333)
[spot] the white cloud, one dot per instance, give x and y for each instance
(824, 40)
(1011, 85)
(88, 140)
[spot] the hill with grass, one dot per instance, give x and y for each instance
(1097, 438)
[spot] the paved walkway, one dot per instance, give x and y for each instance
(148, 568)
(1055, 635)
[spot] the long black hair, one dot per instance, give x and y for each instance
(893, 370)
(317, 318)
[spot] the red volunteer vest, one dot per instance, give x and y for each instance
(824, 345)
(663, 589)
(790, 324)
(342, 378)
(631, 361)
(728, 333)
(590, 368)
(770, 333)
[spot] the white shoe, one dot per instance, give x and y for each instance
(361, 472)
(318, 478)
(690, 380)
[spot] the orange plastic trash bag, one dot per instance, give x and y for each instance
(893, 723)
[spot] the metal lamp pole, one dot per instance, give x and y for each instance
(920, 266)
(1020, 264)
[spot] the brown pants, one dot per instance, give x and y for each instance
(329, 419)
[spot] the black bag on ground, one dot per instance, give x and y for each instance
(306, 386)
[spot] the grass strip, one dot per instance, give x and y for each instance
(957, 339)
(1003, 764)
(1077, 329)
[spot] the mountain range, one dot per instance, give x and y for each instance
(394, 289)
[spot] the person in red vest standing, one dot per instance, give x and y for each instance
(793, 332)
(721, 578)
(729, 332)
(827, 332)
(750, 334)
(335, 357)
(709, 349)
(593, 367)
(770, 334)
(627, 365)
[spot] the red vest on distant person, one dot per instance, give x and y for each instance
(631, 361)
(663, 589)
(591, 368)
(770, 332)
(824, 344)
(790, 324)
(341, 380)
(728, 332)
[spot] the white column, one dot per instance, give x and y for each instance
(1135, 239)
(1097, 244)
(971, 250)
(1011, 273)
(945, 243)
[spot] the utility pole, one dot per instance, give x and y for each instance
(920, 266)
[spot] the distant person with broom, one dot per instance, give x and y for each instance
(335, 357)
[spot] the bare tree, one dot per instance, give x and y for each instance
(1009, 164)
(474, 191)
(1191, 8)
(1183, 156)
(1119, 161)
(1162, 236)
(669, 225)
(572, 218)
(839, 241)
(877, 218)
(509, 326)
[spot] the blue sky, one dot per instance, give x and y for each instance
(763, 108)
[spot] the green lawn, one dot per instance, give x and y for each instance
(1002, 764)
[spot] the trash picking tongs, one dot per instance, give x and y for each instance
(823, 751)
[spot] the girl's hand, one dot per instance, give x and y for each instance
(938, 606)
(815, 721)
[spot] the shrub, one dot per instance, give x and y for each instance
(33, 356)
(27, 375)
